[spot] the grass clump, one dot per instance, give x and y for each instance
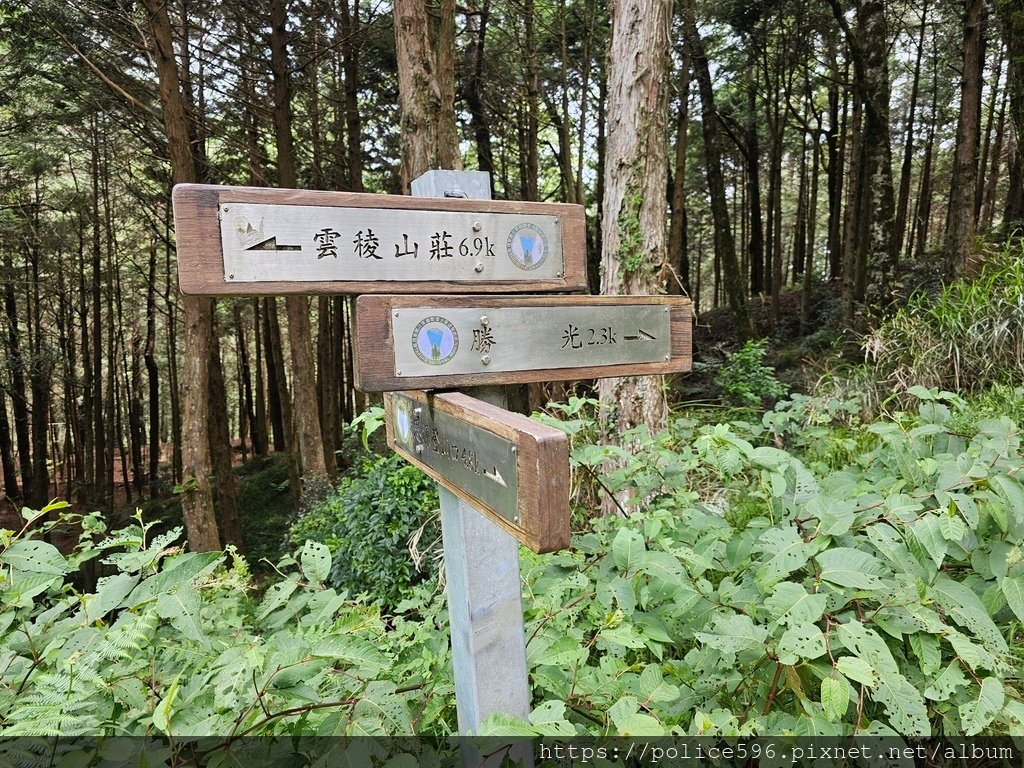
(968, 337)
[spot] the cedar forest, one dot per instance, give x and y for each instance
(817, 532)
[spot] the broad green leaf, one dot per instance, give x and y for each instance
(549, 719)
(946, 684)
(975, 715)
(653, 686)
(961, 603)
(802, 641)
(790, 604)
(355, 650)
(904, 705)
(733, 633)
(35, 556)
(835, 516)
(972, 654)
(179, 570)
(628, 550)
(890, 545)
(629, 722)
(181, 609)
(835, 696)
(276, 596)
(1013, 590)
(110, 594)
(663, 566)
(503, 724)
(315, 561)
(952, 527)
(852, 568)
(164, 711)
(928, 534)
(857, 670)
(968, 508)
(1012, 492)
(926, 648)
(784, 552)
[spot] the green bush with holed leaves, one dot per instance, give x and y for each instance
(809, 574)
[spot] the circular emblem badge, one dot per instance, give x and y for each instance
(435, 340)
(403, 421)
(527, 246)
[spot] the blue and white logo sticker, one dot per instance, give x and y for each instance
(527, 246)
(435, 340)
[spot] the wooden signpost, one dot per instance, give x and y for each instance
(444, 342)
(248, 240)
(504, 478)
(503, 463)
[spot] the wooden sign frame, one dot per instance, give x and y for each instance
(541, 455)
(201, 262)
(374, 348)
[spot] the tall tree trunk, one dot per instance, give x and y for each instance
(752, 159)
(725, 246)
(260, 441)
(994, 95)
(350, 66)
(908, 145)
(478, 16)
(636, 176)
(679, 264)
(10, 472)
(429, 138)
(152, 377)
(197, 496)
(989, 203)
(300, 334)
(961, 222)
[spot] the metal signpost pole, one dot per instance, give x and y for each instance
(481, 563)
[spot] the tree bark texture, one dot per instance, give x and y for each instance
(197, 496)
(961, 221)
(429, 138)
(725, 244)
(633, 228)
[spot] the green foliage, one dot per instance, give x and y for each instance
(809, 574)
(631, 237)
(368, 523)
(968, 337)
(268, 504)
(746, 380)
(875, 588)
(172, 645)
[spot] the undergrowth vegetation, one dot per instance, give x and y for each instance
(805, 573)
(966, 338)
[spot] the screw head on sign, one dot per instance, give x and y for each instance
(479, 266)
(419, 449)
(484, 319)
(486, 359)
(477, 226)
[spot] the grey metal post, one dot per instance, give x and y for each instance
(481, 562)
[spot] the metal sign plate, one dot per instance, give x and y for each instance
(243, 241)
(268, 243)
(507, 466)
(438, 341)
(479, 462)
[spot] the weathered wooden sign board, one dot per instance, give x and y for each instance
(506, 465)
(458, 341)
(248, 240)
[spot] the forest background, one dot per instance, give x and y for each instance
(818, 173)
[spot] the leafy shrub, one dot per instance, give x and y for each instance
(746, 380)
(877, 596)
(367, 524)
(969, 336)
(172, 647)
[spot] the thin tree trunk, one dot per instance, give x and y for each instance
(908, 145)
(679, 264)
(196, 497)
(725, 247)
(960, 219)
(152, 377)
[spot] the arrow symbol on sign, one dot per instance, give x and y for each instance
(270, 244)
(496, 477)
(641, 336)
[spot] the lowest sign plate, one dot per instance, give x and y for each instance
(459, 341)
(510, 467)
